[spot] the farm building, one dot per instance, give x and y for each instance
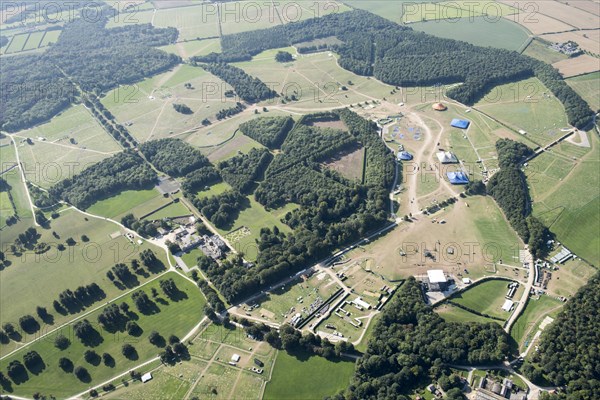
(437, 280)
(405, 156)
(439, 107)
(457, 178)
(446, 157)
(507, 305)
(361, 303)
(235, 358)
(460, 123)
(562, 256)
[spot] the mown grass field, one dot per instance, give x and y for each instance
(170, 211)
(534, 313)
(486, 298)
(538, 49)
(565, 194)
(304, 377)
(479, 30)
(31, 280)
(588, 87)
(174, 317)
(452, 313)
(527, 105)
(125, 202)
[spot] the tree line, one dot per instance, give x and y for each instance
(398, 55)
(87, 54)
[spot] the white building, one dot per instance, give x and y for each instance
(146, 377)
(235, 358)
(507, 305)
(437, 280)
(361, 303)
(446, 157)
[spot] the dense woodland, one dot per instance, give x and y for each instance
(249, 89)
(241, 171)
(268, 131)
(173, 157)
(37, 87)
(397, 55)
(123, 171)
(411, 343)
(333, 211)
(510, 190)
(568, 349)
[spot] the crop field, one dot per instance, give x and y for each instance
(31, 280)
(172, 317)
(588, 87)
(583, 64)
(307, 377)
(487, 298)
(451, 313)
(535, 311)
(147, 107)
(529, 106)
(281, 303)
(480, 31)
(566, 197)
(125, 202)
(540, 50)
(478, 234)
(250, 221)
(562, 12)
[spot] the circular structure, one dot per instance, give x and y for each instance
(439, 107)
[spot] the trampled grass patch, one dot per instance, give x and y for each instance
(307, 377)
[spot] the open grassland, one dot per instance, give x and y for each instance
(246, 228)
(535, 311)
(33, 41)
(529, 106)
(539, 49)
(176, 317)
(350, 164)
(172, 210)
(238, 144)
(168, 383)
(17, 43)
(194, 48)
(32, 280)
(307, 377)
(565, 195)
(28, 42)
(487, 298)
(51, 37)
(478, 234)
(125, 202)
(147, 107)
(570, 276)
(588, 87)
(480, 31)
(452, 313)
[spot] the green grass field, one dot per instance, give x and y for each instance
(170, 211)
(588, 87)
(175, 317)
(17, 43)
(124, 202)
(452, 313)
(565, 195)
(486, 298)
(32, 280)
(533, 314)
(50, 37)
(538, 49)
(193, 47)
(306, 377)
(527, 105)
(6, 208)
(479, 31)
(34, 41)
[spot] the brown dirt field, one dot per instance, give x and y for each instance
(572, 16)
(590, 6)
(350, 165)
(337, 124)
(459, 232)
(590, 43)
(577, 66)
(536, 22)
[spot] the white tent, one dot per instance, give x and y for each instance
(446, 157)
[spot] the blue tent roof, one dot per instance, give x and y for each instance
(460, 123)
(405, 156)
(457, 178)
